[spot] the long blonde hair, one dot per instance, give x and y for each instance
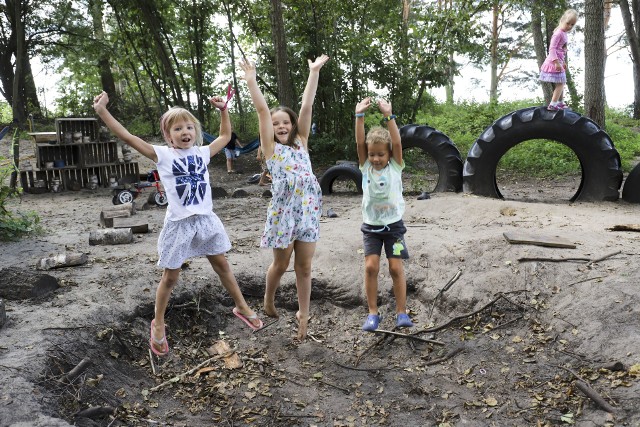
(568, 16)
(174, 114)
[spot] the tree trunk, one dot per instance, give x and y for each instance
(493, 88)
(32, 104)
(17, 105)
(286, 94)
(631, 28)
(594, 60)
(233, 68)
(106, 76)
(539, 45)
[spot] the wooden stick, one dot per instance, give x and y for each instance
(153, 365)
(361, 369)
(446, 356)
(443, 290)
(593, 395)
(95, 412)
(78, 369)
(604, 257)
(526, 259)
(586, 280)
(190, 371)
(411, 337)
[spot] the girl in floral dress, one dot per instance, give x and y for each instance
(293, 215)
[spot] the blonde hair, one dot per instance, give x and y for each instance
(175, 114)
(379, 135)
(568, 16)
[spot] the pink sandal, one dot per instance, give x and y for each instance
(248, 319)
(163, 342)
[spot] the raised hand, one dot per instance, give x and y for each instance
(249, 68)
(363, 105)
(318, 63)
(218, 102)
(101, 100)
(385, 107)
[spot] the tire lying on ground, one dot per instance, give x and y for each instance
(631, 189)
(441, 149)
(349, 171)
(599, 160)
(432, 142)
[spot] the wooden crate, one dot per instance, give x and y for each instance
(99, 153)
(69, 153)
(128, 172)
(88, 127)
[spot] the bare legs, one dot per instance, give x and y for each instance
(302, 266)
(228, 280)
(170, 279)
(163, 293)
(557, 92)
(396, 270)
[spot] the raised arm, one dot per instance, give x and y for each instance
(361, 107)
(267, 142)
(100, 103)
(392, 126)
(225, 125)
(309, 95)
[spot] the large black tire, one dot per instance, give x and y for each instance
(441, 149)
(600, 161)
(631, 189)
(345, 170)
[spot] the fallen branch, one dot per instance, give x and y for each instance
(443, 290)
(586, 280)
(361, 369)
(190, 371)
(446, 357)
(589, 261)
(78, 369)
(604, 257)
(407, 336)
(347, 391)
(95, 412)
(593, 395)
(464, 316)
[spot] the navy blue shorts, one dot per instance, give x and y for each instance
(391, 236)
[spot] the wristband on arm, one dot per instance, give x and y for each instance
(391, 117)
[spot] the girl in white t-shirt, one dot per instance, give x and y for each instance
(191, 228)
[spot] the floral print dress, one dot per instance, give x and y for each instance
(296, 206)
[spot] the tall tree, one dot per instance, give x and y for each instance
(104, 55)
(286, 94)
(594, 61)
(631, 20)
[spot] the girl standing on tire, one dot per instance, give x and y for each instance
(191, 228)
(380, 160)
(293, 215)
(553, 69)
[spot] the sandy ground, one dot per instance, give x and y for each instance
(508, 340)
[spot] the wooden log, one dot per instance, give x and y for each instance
(593, 395)
(116, 211)
(20, 284)
(78, 369)
(136, 225)
(111, 236)
(62, 260)
(96, 412)
(520, 237)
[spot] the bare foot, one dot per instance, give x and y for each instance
(302, 326)
(270, 308)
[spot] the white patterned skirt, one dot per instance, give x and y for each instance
(194, 236)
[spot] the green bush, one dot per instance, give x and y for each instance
(14, 225)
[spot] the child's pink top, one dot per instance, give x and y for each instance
(556, 51)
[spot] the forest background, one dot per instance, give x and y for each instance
(154, 54)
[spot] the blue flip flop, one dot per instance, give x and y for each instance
(403, 321)
(372, 322)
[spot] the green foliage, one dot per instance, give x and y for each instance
(14, 225)
(625, 134)
(6, 114)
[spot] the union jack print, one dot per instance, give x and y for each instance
(190, 183)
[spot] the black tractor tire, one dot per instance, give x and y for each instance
(441, 149)
(344, 170)
(600, 161)
(631, 188)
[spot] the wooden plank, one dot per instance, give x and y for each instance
(136, 225)
(625, 227)
(519, 237)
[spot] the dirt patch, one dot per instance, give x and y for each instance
(503, 345)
